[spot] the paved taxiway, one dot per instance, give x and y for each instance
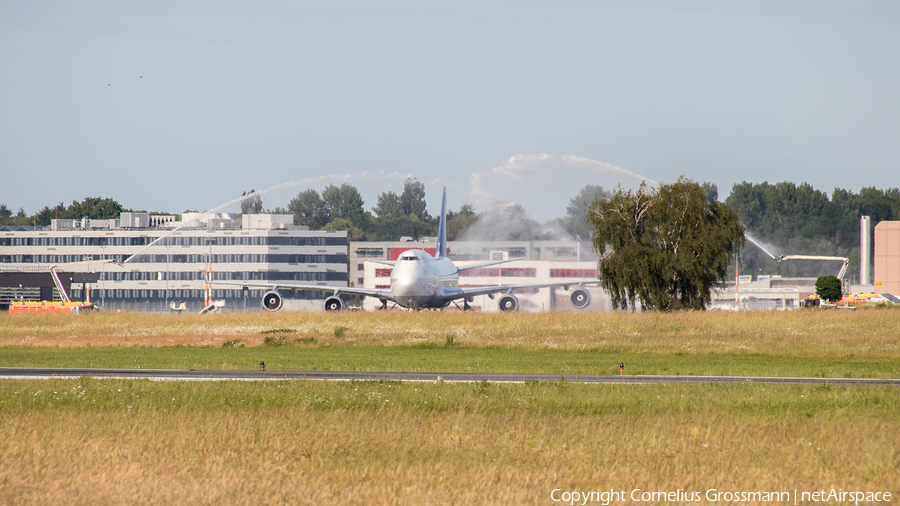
(184, 374)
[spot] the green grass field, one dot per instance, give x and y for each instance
(91, 441)
(428, 358)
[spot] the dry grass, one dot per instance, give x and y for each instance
(260, 447)
(115, 441)
(863, 333)
(321, 455)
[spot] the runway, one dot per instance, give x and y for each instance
(221, 375)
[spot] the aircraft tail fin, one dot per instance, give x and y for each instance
(441, 249)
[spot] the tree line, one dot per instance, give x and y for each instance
(95, 208)
(394, 215)
(405, 215)
(787, 218)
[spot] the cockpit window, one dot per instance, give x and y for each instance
(409, 259)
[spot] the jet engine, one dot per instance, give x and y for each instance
(334, 303)
(508, 302)
(272, 301)
(580, 298)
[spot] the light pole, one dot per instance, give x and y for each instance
(103, 274)
(167, 274)
(209, 274)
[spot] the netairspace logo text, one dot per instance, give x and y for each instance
(606, 497)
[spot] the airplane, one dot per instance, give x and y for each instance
(422, 281)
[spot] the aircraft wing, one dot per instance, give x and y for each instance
(485, 264)
(474, 291)
(458, 268)
(381, 293)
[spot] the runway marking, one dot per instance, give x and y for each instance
(250, 375)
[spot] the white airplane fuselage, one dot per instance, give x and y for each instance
(418, 279)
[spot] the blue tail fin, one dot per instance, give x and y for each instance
(441, 249)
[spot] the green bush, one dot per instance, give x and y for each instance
(234, 343)
(829, 288)
(274, 341)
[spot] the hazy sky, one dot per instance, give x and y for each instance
(170, 106)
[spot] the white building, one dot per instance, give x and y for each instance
(164, 260)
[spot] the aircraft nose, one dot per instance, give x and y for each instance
(403, 286)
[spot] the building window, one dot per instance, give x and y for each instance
(518, 272)
(382, 273)
(561, 251)
(370, 252)
(573, 273)
(478, 273)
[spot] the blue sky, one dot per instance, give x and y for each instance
(171, 106)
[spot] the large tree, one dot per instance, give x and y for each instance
(309, 210)
(459, 222)
(666, 247)
(388, 206)
(344, 202)
(577, 222)
(412, 200)
(251, 203)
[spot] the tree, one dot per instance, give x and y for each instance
(344, 202)
(336, 203)
(507, 222)
(459, 222)
(711, 191)
(42, 218)
(251, 203)
(5, 212)
(799, 219)
(353, 233)
(829, 288)
(412, 200)
(309, 210)
(388, 206)
(95, 208)
(577, 210)
(392, 229)
(666, 247)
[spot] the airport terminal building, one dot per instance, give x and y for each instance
(164, 260)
